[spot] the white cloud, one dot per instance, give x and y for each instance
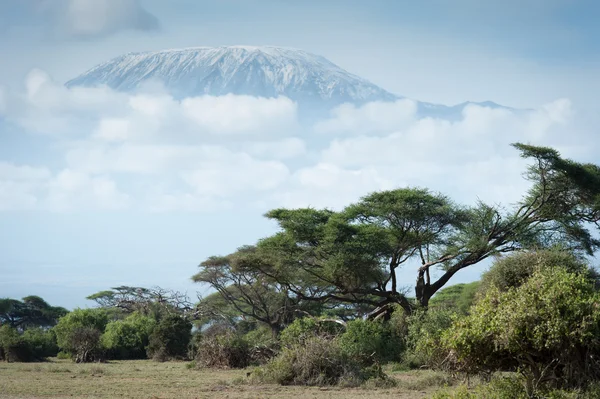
(330, 186)
(96, 18)
(235, 174)
(471, 157)
(72, 190)
(287, 148)
(232, 114)
(49, 108)
(150, 151)
(372, 117)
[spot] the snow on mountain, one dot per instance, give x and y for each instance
(314, 82)
(257, 71)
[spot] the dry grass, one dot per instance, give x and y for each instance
(147, 379)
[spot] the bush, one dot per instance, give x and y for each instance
(513, 270)
(227, 350)
(128, 338)
(318, 361)
(547, 328)
(458, 298)
(512, 388)
(41, 342)
(423, 338)
(263, 346)
(497, 388)
(13, 347)
(306, 328)
(78, 333)
(170, 339)
(370, 341)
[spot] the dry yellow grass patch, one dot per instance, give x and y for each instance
(147, 379)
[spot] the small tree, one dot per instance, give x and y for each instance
(170, 339)
(78, 333)
(128, 338)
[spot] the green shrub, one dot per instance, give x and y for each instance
(41, 342)
(423, 338)
(128, 338)
(306, 328)
(458, 298)
(263, 346)
(170, 339)
(513, 270)
(547, 328)
(497, 388)
(512, 388)
(228, 350)
(13, 348)
(78, 333)
(370, 341)
(63, 355)
(317, 361)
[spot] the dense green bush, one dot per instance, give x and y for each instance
(13, 347)
(515, 269)
(423, 338)
(227, 350)
(548, 328)
(41, 342)
(128, 338)
(370, 341)
(34, 344)
(78, 333)
(307, 327)
(317, 361)
(458, 298)
(170, 339)
(263, 346)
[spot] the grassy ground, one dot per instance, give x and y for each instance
(147, 379)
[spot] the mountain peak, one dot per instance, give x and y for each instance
(264, 71)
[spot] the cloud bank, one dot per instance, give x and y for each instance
(80, 19)
(150, 152)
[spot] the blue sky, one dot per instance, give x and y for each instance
(73, 224)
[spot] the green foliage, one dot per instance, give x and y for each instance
(512, 388)
(32, 345)
(41, 342)
(370, 342)
(128, 338)
(13, 347)
(424, 335)
(515, 269)
(170, 339)
(32, 311)
(305, 328)
(497, 388)
(547, 328)
(78, 333)
(318, 361)
(228, 350)
(458, 297)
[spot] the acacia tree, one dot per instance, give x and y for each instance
(154, 301)
(31, 311)
(352, 256)
(246, 291)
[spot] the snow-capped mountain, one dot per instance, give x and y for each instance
(314, 82)
(257, 71)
